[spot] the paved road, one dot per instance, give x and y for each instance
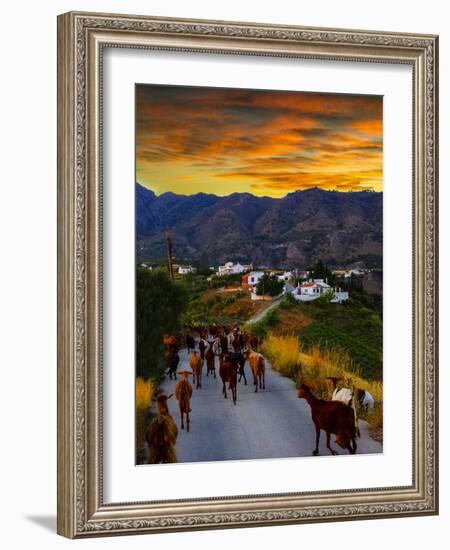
(273, 423)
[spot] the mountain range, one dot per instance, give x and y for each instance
(293, 231)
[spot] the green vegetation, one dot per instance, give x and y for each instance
(157, 299)
(350, 326)
(159, 306)
(269, 285)
(261, 328)
(218, 281)
(214, 303)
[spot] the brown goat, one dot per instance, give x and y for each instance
(161, 434)
(258, 368)
(183, 393)
(201, 347)
(228, 373)
(210, 360)
(333, 417)
(251, 340)
(172, 342)
(196, 364)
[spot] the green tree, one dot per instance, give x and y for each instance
(159, 306)
(326, 296)
(269, 284)
(321, 271)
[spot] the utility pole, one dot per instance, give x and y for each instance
(170, 256)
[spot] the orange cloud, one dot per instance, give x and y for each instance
(264, 142)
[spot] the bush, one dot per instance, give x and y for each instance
(159, 306)
(260, 328)
(288, 301)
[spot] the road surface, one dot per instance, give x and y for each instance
(273, 423)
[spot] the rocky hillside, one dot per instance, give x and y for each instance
(292, 231)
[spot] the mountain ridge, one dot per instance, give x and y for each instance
(293, 230)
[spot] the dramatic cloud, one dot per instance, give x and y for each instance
(217, 140)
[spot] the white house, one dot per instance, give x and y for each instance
(356, 272)
(231, 268)
(185, 269)
(250, 280)
(287, 276)
(314, 288)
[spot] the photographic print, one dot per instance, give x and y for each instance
(246, 274)
(259, 274)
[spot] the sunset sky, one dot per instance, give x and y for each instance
(221, 141)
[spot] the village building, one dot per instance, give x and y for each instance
(231, 268)
(339, 272)
(250, 280)
(314, 288)
(287, 276)
(347, 273)
(186, 269)
(355, 273)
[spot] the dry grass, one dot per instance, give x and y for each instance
(291, 321)
(244, 307)
(311, 368)
(144, 398)
(375, 419)
(285, 353)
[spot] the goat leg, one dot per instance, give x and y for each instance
(316, 450)
(333, 452)
(243, 375)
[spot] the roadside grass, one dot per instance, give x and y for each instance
(285, 354)
(144, 396)
(351, 327)
(313, 365)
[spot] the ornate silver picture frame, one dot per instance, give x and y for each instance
(82, 40)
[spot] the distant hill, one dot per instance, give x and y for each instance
(292, 231)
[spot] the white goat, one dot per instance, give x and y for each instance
(365, 400)
(346, 396)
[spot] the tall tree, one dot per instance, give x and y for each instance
(269, 284)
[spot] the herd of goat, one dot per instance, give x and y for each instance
(338, 416)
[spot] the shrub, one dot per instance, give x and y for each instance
(260, 328)
(288, 301)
